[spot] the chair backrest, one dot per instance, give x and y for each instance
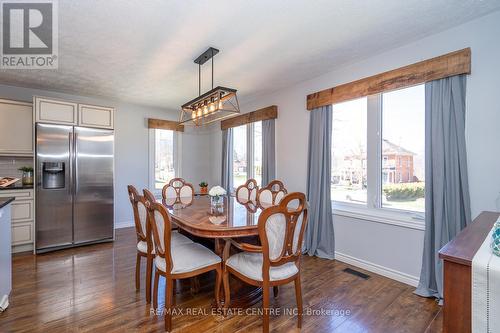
(272, 194)
(281, 231)
(248, 191)
(140, 213)
(177, 188)
(160, 228)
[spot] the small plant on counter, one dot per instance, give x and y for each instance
(26, 169)
(27, 175)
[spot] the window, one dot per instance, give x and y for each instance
(247, 153)
(403, 136)
(162, 157)
(349, 152)
(378, 151)
(240, 163)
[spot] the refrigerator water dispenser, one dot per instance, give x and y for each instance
(53, 175)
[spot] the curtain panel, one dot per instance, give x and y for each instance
(268, 152)
(319, 238)
(447, 202)
(227, 160)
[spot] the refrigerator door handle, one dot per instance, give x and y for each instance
(76, 163)
(70, 187)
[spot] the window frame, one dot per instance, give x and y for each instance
(373, 210)
(177, 145)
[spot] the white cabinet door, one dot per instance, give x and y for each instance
(55, 111)
(95, 116)
(16, 128)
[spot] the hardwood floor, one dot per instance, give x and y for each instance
(91, 289)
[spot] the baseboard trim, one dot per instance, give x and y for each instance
(124, 224)
(378, 269)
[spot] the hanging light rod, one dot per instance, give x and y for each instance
(217, 104)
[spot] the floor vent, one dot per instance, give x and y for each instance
(357, 273)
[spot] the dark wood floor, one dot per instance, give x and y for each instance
(91, 289)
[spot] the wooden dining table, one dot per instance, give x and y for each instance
(232, 220)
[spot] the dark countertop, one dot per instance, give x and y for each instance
(5, 201)
(17, 186)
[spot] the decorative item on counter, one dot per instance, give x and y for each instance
(495, 245)
(27, 175)
(203, 187)
(7, 181)
(217, 194)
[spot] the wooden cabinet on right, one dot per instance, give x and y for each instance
(95, 116)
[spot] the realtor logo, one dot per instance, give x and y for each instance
(29, 34)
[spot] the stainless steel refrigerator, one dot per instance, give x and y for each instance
(74, 186)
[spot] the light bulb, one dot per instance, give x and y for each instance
(199, 112)
(205, 109)
(220, 105)
(212, 107)
(193, 114)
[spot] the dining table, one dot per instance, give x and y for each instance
(233, 219)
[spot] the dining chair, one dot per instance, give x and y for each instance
(277, 260)
(145, 245)
(177, 262)
(177, 190)
(247, 192)
(272, 194)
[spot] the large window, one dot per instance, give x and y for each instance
(378, 151)
(349, 152)
(240, 161)
(247, 153)
(162, 155)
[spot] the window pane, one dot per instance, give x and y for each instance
(403, 149)
(349, 151)
(257, 152)
(239, 155)
(164, 157)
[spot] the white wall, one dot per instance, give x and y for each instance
(395, 250)
(131, 145)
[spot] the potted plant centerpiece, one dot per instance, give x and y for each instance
(27, 175)
(217, 194)
(203, 187)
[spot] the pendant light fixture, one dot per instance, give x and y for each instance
(217, 104)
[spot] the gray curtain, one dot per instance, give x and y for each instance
(227, 160)
(319, 238)
(268, 152)
(447, 202)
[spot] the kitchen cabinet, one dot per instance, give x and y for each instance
(60, 112)
(55, 111)
(16, 128)
(22, 217)
(95, 116)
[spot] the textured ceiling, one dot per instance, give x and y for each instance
(142, 51)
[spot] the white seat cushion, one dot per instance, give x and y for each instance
(250, 265)
(188, 258)
(176, 240)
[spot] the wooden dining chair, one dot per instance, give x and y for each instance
(145, 244)
(178, 190)
(272, 194)
(177, 262)
(247, 192)
(277, 261)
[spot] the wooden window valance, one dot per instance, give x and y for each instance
(270, 112)
(165, 124)
(454, 63)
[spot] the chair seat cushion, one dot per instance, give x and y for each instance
(176, 239)
(188, 258)
(250, 265)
